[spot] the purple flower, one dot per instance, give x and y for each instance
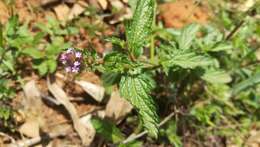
(76, 63)
(78, 54)
(75, 69)
(71, 59)
(70, 50)
(63, 56)
(68, 69)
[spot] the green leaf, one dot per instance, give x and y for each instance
(108, 130)
(216, 76)
(52, 65)
(139, 28)
(33, 52)
(188, 34)
(1, 37)
(255, 79)
(116, 41)
(185, 59)
(42, 67)
(9, 64)
(171, 133)
(136, 90)
(221, 47)
(116, 62)
(12, 25)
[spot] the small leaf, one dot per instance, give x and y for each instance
(185, 59)
(42, 68)
(136, 90)
(116, 62)
(52, 65)
(139, 28)
(33, 52)
(188, 34)
(221, 47)
(12, 25)
(108, 130)
(116, 41)
(255, 79)
(216, 76)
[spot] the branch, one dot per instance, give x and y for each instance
(132, 138)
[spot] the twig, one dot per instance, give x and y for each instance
(233, 32)
(36, 140)
(132, 138)
(7, 136)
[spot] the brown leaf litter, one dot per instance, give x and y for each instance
(182, 12)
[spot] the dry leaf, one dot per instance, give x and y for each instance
(86, 121)
(62, 11)
(62, 97)
(31, 91)
(103, 4)
(4, 15)
(254, 139)
(32, 104)
(77, 9)
(258, 54)
(46, 2)
(117, 4)
(117, 107)
(247, 5)
(30, 128)
(96, 91)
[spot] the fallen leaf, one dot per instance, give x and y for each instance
(62, 11)
(46, 2)
(103, 4)
(182, 12)
(30, 128)
(96, 91)
(247, 5)
(62, 97)
(32, 104)
(86, 121)
(4, 15)
(77, 9)
(117, 4)
(117, 107)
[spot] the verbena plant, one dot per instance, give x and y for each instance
(130, 63)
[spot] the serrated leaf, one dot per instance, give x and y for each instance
(188, 34)
(34, 53)
(255, 79)
(139, 28)
(136, 90)
(116, 41)
(11, 25)
(221, 47)
(216, 76)
(185, 59)
(108, 130)
(116, 62)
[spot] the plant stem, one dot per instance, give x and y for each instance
(152, 47)
(132, 138)
(1, 36)
(152, 50)
(233, 32)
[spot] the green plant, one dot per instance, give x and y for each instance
(181, 54)
(45, 57)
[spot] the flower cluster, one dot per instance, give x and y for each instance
(72, 60)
